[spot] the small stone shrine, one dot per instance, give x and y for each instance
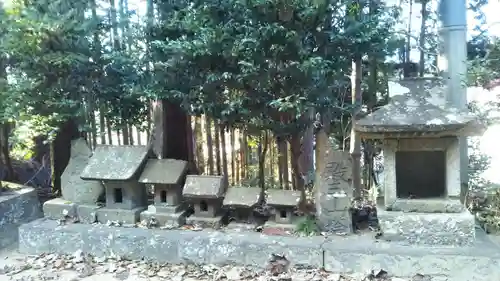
(419, 131)
(119, 168)
(167, 177)
(284, 203)
(241, 201)
(79, 197)
(334, 192)
(206, 194)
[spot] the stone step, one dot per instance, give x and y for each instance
(452, 229)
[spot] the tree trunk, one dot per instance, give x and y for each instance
(355, 144)
(198, 136)
(217, 147)
(172, 134)
(407, 69)
(262, 147)
(233, 156)
(223, 150)
(424, 13)
(283, 161)
(296, 169)
(110, 132)
(307, 149)
(244, 154)
(210, 160)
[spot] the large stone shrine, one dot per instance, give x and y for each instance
(419, 131)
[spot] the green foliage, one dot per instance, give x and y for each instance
(307, 226)
(263, 63)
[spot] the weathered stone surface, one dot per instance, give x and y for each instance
(17, 206)
(164, 218)
(87, 213)
(134, 194)
(334, 192)
(173, 246)
(110, 162)
(455, 229)
(73, 188)
(422, 109)
(130, 216)
(358, 254)
(439, 205)
(58, 208)
(164, 171)
(242, 196)
(285, 198)
(204, 187)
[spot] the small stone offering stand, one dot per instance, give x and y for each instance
(284, 203)
(420, 131)
(167, 176)
(119, 168)
(206, 194)
(241, 201)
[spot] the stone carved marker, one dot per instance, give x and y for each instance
(334, 192)
(73, 188)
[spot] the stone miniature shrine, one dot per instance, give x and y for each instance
(79, 197)
(119, 168)
(167, 177)
(284, 203)
(334, 192)
(242, 201)
(420, 131)
(206, 194)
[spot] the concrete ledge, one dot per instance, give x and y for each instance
(355, 253)
(17, 206)
(457, 229)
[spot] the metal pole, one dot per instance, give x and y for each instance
(453, 17)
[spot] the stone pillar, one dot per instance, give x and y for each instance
(334, 192)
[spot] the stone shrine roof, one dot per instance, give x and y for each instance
(113, 162)
(163, 171)
(242, 196)
(285, 198)
(204, 187)
(422, 109)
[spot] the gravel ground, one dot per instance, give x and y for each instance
(81, 267)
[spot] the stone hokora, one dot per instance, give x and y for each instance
(119, 168)
(284, 203)
(206, 194)
(241, 201)
(167, 177)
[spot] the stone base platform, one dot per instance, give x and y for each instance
(453, 229)
(342, 254)
(124, 216)
(289, 227)
(17, 206)
(165, 218)
(241, 226)
(205, 222)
